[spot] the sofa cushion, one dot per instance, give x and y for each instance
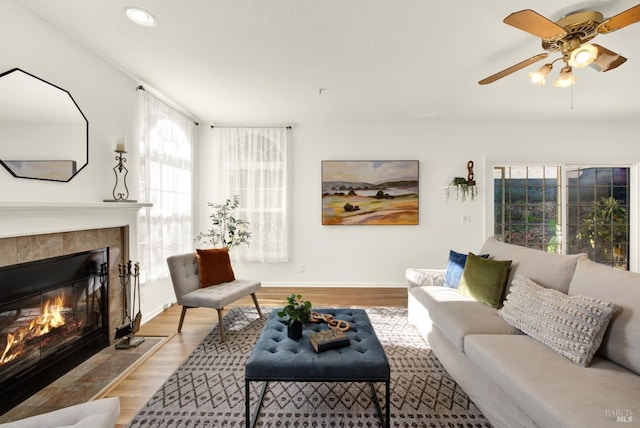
(101, 413)
(572, 326)
(547, 269)
(221, 295)
(551, 389)
(621, 342)
(420, 277)
(484, 280)
(214, 266)
(455, 267)
(495, 405)
(457, 315)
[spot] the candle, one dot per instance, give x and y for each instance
(120, 146)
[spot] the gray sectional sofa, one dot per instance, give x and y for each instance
(516, 380)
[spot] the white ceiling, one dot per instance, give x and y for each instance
(264, 61)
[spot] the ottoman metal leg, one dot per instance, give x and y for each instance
(385, 422)
(388, 402)
(251, 421)
(247, 415)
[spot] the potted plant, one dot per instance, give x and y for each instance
(464, 187)
(296, 313)
(227, 230)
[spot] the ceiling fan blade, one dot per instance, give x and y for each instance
(536, 24)
(621, 20)
(606, 60)
(513, 69)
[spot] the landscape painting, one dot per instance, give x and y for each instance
(370, 192)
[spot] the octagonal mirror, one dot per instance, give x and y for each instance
(43, 133)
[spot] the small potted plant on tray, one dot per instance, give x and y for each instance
(297, 312)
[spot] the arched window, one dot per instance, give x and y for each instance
(253, 165)
(166, 163)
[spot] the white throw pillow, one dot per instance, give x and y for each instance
(573, 326)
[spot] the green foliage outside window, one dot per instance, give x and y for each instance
(528, 210)
(604, 231)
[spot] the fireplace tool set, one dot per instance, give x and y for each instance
(129, 279)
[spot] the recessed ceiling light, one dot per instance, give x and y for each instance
(140, 16)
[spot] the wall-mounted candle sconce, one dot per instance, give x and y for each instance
(120, 189)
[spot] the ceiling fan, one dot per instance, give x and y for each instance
(568, 36)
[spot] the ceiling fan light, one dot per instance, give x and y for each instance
(583, 56)
(565, 79)
(539, 77)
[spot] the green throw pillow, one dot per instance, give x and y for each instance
(484, 279)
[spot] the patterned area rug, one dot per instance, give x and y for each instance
(207, 390)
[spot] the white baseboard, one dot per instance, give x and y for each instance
(337, 284)
(156, 311)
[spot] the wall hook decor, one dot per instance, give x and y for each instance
(470, 176)
(465, 187)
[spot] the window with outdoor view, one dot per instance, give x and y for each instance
(565, 209)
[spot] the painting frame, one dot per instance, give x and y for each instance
(370, 192)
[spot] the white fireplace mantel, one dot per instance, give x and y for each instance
(8, 208)
(18, 218)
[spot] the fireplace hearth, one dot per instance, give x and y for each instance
(54, 314)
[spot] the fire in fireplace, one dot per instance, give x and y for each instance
(53, 315)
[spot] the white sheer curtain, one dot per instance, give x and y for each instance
(166, 171)
(252, 163)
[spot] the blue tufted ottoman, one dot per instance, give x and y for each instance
(278, 358)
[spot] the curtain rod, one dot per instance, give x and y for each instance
(241, 126)
(142, 88)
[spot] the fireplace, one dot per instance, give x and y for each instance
(54, 314)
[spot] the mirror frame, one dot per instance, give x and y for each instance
(48, 162)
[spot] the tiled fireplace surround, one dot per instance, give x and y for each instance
(23, 249)
(38, 230)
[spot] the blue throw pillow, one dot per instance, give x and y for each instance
(455, 267)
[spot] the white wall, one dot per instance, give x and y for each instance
(108, 99)
(378, 255)
(106, 96)
(330, 255)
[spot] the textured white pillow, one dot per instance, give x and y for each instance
(573, 326)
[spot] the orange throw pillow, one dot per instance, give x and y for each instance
(214, 266)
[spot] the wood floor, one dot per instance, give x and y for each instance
(140, 384)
